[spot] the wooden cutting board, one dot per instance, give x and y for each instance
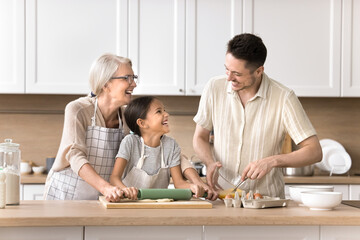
(153, 204)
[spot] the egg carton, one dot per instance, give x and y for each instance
(265, 202)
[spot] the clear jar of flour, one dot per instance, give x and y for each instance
(10, 157)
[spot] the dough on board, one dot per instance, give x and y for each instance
(164, 200)
(155, 200)
(146, 201)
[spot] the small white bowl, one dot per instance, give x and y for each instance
(321, 200)
(296, 190)
(38, 170)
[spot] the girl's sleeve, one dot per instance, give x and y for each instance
(175, 158)
(125, 148)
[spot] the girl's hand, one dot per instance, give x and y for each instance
(112, 193)
(197, 190)
(130, 192)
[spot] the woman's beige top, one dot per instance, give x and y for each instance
(73, 151)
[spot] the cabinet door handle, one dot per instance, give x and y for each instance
(181, 90)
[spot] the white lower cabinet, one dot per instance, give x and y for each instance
(344, 189)
(42, 233)
(261, 232)
(144, 232)
(181, 232)
(354, 192)
(339, 232)
(32, 191)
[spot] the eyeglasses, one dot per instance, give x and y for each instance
(129, 78)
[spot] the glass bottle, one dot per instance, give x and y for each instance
(10, 157)
(2, 188)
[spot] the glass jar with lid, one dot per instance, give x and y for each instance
(10, 157)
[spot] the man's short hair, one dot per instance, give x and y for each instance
(248, 47)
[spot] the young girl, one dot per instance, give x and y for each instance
(147, 158)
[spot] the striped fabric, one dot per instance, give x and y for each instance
(242, 135)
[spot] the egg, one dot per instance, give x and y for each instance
(228, 196)
(248, 194)
(257, 196)
(254, 196)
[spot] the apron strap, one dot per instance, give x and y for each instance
(142, 157)
(94, 117)
(120, 122)
(162, 155)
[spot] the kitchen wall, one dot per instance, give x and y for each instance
(36, 122)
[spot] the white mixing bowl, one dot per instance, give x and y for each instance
(321, 200)
(295, 190)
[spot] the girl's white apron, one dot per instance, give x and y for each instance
(140, 179)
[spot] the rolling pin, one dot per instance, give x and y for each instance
(153, 193)
(176, 194)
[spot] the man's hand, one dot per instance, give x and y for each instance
(211, 194)
(309, 152)
(258, 168)
(210, 170)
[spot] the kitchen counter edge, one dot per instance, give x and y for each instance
(92, 213)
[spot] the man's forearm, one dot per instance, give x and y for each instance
(203, 150)
(309, 153)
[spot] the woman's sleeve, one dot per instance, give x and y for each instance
(74, 137)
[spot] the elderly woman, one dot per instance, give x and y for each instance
(93, 130)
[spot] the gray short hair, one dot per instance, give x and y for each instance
(103, 69)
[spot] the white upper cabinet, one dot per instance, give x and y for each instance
(303, 40)
(64, 37)
(12, 51)
(351, 49)
(157, 45)
(176, 46)
(210, 24)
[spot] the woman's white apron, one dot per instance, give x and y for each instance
(102, 146)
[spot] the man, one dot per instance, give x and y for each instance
(250, 115)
